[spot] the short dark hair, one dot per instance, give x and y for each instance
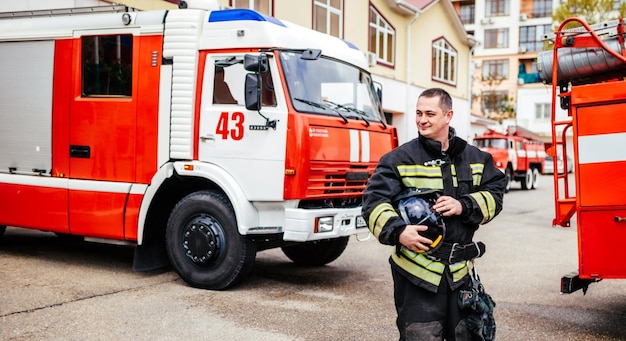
(445, 101)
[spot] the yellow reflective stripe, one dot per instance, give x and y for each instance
(416, 270)
(423, 183)
(423, 261)
(419, 170)
(477, 168)
(457, 266)
(486, 203)
(379, 217)
(455, 183)
(460, 273)
(419, 176)
(458, 270)
(477, 172)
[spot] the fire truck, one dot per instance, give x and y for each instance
(586, 69)
(200, 136)
(517, 152)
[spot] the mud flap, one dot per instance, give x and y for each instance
(572, 282)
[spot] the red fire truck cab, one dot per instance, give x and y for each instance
(517, 152)
(198, 135)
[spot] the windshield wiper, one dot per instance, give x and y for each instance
(322, 106)
(358, 111)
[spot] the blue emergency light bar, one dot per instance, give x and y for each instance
(241, 14)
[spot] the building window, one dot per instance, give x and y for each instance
(497, 38)
(495, 101)
(107, 65)
(542, 8)
(382, 37)
(496, 69)
(467, 12)
(262, 6)
(543, 111)
(531, 37)
(328, 17)
(496, 8)
(444, 62)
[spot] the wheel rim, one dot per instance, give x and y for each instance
(203, 241)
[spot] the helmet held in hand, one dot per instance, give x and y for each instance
(417, 210)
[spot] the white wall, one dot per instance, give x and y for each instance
(402, 98)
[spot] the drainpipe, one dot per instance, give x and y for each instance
(409, 105)
(404, 8)
(470, 81)
(470, 78)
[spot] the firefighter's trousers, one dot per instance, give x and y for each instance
(428, 316)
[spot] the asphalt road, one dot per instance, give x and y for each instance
(55, 289)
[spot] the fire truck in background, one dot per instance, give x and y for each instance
(199, 136)
(586, 69)
(517, 152)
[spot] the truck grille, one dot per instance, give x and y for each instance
(339, 181)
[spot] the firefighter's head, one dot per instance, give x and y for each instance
(415, 208)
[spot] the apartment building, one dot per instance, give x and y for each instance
(411, 45)
(510, 36)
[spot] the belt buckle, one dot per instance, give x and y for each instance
(454, 246)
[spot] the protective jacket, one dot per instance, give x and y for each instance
(463, 172)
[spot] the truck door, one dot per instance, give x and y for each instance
(102, 132)
(512, 153)
(235, 138)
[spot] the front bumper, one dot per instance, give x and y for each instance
(300, 223)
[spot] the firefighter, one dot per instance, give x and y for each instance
(427, 282)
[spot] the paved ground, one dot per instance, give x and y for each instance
(54, 289)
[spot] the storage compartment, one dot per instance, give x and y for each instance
(601, 235)
(600, 134)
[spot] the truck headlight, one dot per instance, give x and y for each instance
(324, 224)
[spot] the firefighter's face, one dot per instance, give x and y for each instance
(432, 121)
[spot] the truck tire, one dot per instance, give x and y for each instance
(527, 182)
(204, 245)
(2, 229)
(535, 177)
(508, 173)
(317, 253)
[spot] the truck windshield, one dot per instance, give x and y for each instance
(490, 143)
(329, 87)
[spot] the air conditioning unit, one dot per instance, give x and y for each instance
(523, 49)
(523, 17)
(372, 58)
(486, 21)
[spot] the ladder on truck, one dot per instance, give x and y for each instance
(67, 11)
(583, 39)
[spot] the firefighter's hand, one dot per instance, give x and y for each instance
(412, 240)
(448, 206)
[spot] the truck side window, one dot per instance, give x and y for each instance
(221, 90)
(107, 65)
(228, 86)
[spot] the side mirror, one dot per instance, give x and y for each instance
(253, 91)
(255, 63)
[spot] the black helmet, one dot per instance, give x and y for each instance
(415, 208)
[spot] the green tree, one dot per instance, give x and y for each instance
(496, 104)
(592, 11)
